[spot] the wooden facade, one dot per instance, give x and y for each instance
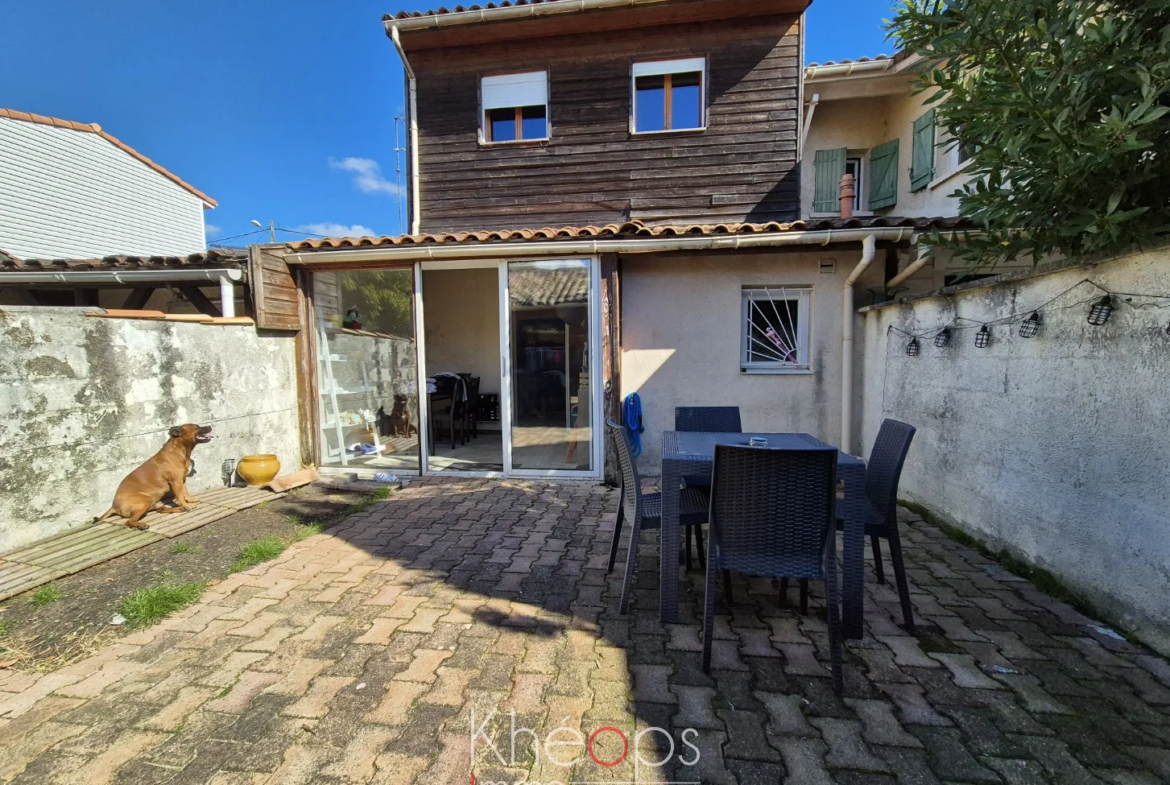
(743, 167)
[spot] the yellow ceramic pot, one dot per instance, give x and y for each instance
(258, 469)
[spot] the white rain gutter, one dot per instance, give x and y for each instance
(924, 255)
(415, 218)
(565, 248)
(225, 278)
(510, 13)
(868, 249)
(840, 70)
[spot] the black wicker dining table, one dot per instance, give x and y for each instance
(690, 453)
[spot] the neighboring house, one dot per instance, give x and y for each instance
(866, 118)
(646, 157)
(71, 191)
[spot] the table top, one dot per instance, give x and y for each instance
(699, 447)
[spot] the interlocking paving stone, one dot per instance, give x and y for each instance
(359, 656)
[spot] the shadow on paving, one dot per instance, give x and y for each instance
(329, 666)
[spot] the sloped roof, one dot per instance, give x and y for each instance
(549, 287)
(458, 9)
(215, 260)
(627, 230)
(94, 128)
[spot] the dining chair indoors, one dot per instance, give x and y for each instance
(773, 514)
(644, 510)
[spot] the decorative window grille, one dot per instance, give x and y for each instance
(775, 330)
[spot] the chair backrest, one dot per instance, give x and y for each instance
(710, 419)
(884, 469)
(773, 510)
(631, 481)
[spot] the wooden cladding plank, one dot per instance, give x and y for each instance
(274, 291)
(181, 523)
(742, 167)
(17, 578)
(84, 547)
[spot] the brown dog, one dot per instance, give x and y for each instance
(143, 489)
(400, 420)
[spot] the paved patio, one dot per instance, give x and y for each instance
(361, 654)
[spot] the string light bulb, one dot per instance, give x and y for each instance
(912, 347)
(1101, 311)
(943, 338)
(1030, 326)
(982, 338)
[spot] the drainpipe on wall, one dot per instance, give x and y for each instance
(413, 133)
(868, 250)
(924, 256)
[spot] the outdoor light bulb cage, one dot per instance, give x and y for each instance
(1030, 326)
(912, 347)
(1101, 311)
(982, 338)
(942, 339)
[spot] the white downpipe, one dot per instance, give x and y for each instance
(868, 249)
(564, 248)
(227, 297)
(924, 256)
(415, 217)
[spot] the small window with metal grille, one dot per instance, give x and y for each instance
(775, 329)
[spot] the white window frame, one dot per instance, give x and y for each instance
(487, 104)
(686, 65)
(802, 295)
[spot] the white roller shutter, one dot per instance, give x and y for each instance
(512, 90)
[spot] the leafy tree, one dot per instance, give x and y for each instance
(1065, 104)
(384, 299)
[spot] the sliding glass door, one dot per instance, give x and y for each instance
(548, 348)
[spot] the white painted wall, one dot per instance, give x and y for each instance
(1055, 447)
(87, 400)
(67, 194)
(462, 318)
(681, 341)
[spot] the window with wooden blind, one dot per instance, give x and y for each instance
(515, 107)
(922, 153)
(883, 175)
(669, 95)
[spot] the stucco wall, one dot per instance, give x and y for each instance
(681, 326)
(463, 323)
(86, 400)
(1056, 447)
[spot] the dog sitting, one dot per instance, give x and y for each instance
(144, 488)
(400, 420)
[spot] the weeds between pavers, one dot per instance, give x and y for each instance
(47, 594)
(259, 551)
(152, 603)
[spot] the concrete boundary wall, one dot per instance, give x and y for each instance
(86, 400)
(1055, 447)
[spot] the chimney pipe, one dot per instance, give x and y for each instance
(848, 191)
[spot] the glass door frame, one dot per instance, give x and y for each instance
(596, 441)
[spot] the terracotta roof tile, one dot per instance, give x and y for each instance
(627, 230)
(94, 128)
(443, 10)
(210, 260)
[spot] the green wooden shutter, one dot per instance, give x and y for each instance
(922, 156)
(830, 168)
(883, 175)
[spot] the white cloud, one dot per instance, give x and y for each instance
(367, 175)
(328, 229)
(212, 231)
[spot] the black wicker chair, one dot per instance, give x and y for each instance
(706, 419)
(772, 514)
(644, 510)
(882, 474)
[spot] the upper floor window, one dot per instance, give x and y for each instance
(515, 107)
(668, 95)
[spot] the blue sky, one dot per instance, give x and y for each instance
(280, 111)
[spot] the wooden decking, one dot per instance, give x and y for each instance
(73, 550)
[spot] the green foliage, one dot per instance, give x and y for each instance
(1066, 104)
(152, 603)
(258, 551)
(306, 531)
(47, 594)
(6, 626)
(183, 547)
(384, 299)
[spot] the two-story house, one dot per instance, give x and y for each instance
(604, 199)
